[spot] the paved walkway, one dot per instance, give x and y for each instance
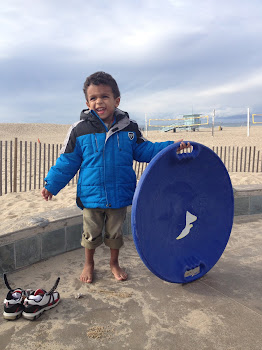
(222, 310)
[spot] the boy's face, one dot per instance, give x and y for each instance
(100, 98)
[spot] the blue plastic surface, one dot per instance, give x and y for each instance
(182, 213)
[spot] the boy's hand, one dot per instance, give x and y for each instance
(183, 145)
(46, 194)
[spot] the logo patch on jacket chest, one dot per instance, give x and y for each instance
(131, 136)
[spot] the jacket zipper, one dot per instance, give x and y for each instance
(107, 204)
(118, 143)
(96, 142)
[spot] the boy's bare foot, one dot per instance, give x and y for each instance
(119, 273)
(87, 273)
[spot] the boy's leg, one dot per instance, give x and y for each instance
(117, 271)
(93, 222)
(114, 239)
(87, 273)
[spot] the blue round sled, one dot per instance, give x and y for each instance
(182, 213)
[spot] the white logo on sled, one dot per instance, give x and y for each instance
(131, 135)
(189, 219)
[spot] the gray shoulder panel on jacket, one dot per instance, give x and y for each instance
(69, 142)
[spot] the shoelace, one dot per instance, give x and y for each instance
(16, 295)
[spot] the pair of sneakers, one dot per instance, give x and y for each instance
(29, 303)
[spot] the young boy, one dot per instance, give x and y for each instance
(103, 145)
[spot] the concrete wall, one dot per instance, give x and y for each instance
(44, 239)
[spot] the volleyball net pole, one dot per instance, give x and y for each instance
(213, 121)
(248, 118)
(146, 124)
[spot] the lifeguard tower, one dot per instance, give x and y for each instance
(192, 121)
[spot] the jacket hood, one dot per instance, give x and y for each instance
(86, 113)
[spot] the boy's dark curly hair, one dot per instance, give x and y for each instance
(102, 78)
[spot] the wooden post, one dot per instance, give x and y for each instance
(15, 165)
(249, 159)
(241, 158)
(53, 154)
(225, 155)
(258, 154)
(48, 157)
(233, 153)
(25, 187)
(138, 172)
(1, 158)
(21, 162)
(30, 166)
(229, 151)
(11, 166)
(35, 154)
(237, 160)
(254, 156)
(43, 182)
(245, 163)
(5, 167)
(39, 166)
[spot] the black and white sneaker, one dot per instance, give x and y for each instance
(39, 301)
(14, 301)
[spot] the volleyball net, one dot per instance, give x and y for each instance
(257, 118)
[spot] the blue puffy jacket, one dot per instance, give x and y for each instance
(105, 159)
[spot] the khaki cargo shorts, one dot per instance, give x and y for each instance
(95, 220)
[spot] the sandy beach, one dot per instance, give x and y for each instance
(15, 206)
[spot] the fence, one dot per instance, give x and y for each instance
(24, 165)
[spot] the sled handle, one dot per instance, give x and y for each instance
(189, 153)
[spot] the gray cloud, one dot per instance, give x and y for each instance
(166, 56)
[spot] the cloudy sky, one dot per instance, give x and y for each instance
(169, 57)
